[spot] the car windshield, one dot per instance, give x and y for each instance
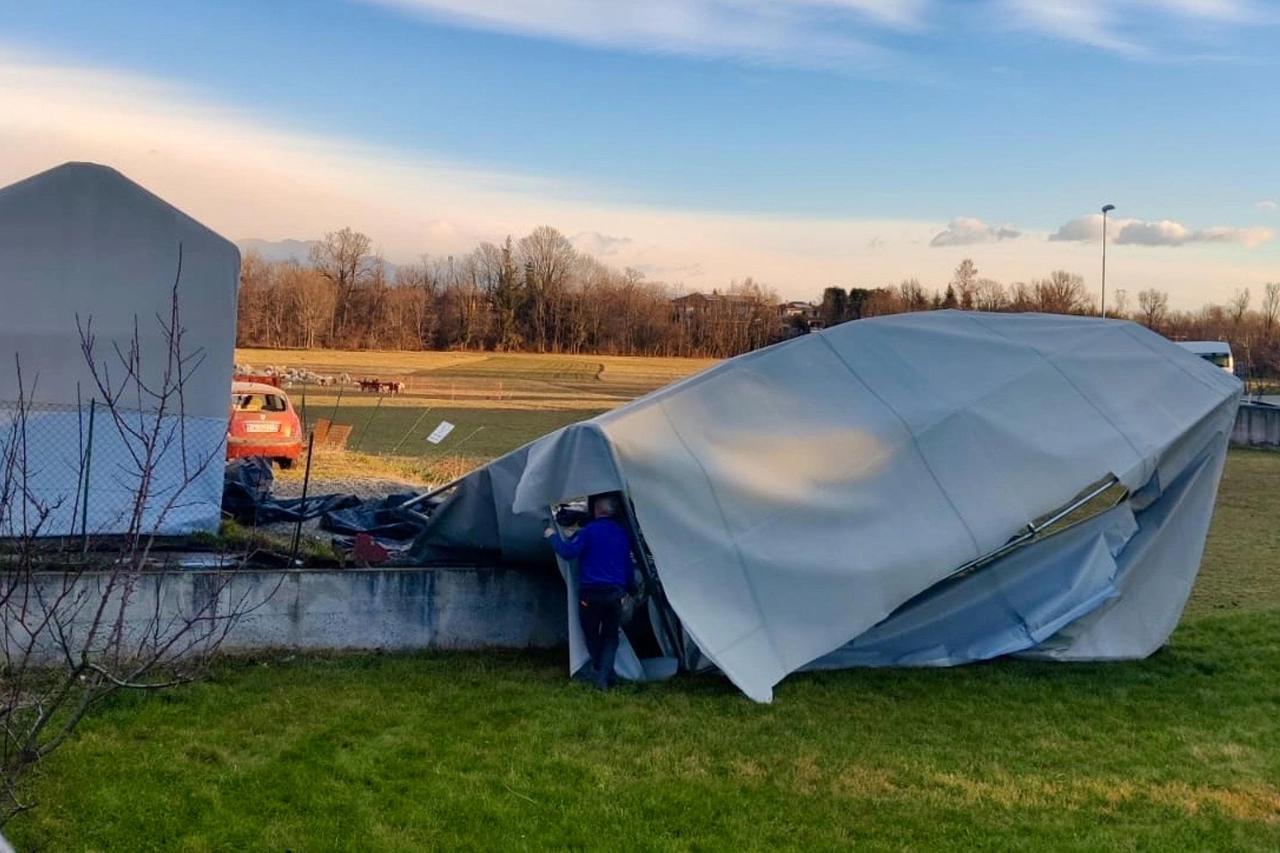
(258, 403)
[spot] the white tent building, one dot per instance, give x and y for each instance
(85, 252)
(884, 493)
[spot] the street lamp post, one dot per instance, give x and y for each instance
(1106, 208)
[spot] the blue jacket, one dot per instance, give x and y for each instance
(603, 550)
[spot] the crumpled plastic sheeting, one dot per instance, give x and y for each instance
(247, 498)
(1006, 607)
(797, 497)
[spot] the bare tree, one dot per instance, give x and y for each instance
(881, 301)
(311, 300)
(547, 257)
(1154, 306)
(1121, 310)
(1061, 293)
(345, 258)
(1270, 308)
(261, 305)
(468, 288)
(1239, 305)
(912, 295)
(965, 282)
(990, 295)
(1022, 297)
(591, 295)
(417, 294)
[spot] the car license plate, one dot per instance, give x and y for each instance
(262, 426)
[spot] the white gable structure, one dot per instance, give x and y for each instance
(850, 497)
(84, 248)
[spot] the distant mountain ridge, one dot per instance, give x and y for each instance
(278, 250)
(274, 251)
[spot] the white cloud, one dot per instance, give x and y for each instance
(815, 33)
(1267, 206)
(1121, 26)
(600, 245)
(1082, 229)
(1086, 21)
(1165, 232)
(1250, 238)
(967, 231)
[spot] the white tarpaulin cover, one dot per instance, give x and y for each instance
(806, 505)
(82, 243)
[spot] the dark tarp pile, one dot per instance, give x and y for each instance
(246, 497)
(849, 497)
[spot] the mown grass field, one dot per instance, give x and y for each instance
(488, 380)
(497, 402)
(490, 751)
(500, 752)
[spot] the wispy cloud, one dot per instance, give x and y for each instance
(1267, 206)
(852, 35)
(1126, 26)
(247, 175)
(967, 231)
(600, 245)
(812, 33)
(1164, 232)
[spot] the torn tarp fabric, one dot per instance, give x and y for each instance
(795, 498)
(246, 497)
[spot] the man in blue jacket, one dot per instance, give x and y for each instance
(603, 551)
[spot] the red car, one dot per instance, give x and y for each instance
(263, 423)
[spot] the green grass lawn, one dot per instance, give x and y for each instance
(499, 751)
(497, 402)
(478, 432)
(1241, 568)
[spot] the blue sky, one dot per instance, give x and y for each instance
(802, 142)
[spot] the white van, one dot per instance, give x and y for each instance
(1219, 352)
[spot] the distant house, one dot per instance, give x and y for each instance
(699, 305)
(799, 316)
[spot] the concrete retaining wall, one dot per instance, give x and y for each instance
(396, 609)
(1257, 426)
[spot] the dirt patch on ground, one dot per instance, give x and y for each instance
(362, 487)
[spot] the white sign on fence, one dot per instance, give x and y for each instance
(438, 434)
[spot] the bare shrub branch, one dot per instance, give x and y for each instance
(80, 624)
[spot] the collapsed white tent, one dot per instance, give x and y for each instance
(810, 504)
(83, 247)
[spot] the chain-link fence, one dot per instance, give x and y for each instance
(97, 469)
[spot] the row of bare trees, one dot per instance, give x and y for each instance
(1253, 332)
(1060, 292)
(540, 294)
(537, 294)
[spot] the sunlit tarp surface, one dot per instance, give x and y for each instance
(83, 247)
(806, 504)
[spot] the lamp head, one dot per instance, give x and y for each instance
(1108, 207)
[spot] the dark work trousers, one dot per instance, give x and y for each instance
(600, 611)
